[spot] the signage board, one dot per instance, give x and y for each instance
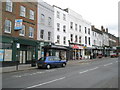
(18, 24)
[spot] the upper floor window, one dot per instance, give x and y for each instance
(85, 30)
(42, 18)
(76, 38)
(49, 21)
(76, 27)
(31, 32)
(9, 5)
(58, 39)
(22, 11)
(49, 35)
(89, 31)
(22, 32)
(71, 25)
(64, 40)
(32, 14)
(8, 26)
(94, 42)
(42, 34)
(64, 28)
(85, 39)
(64, 17)
(79, 28)
(58, 26)
(58, 14)
(89, 40)
(71, 37)
(79, 39)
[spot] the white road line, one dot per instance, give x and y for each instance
(46, 82)
(93, 68)
(83, 71)
(108, 64)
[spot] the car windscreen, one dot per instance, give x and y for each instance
(42, 59)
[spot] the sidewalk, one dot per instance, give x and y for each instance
(28, 66)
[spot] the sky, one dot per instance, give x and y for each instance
(98, 12)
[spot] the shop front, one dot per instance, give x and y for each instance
(56, 50)
(18, 51)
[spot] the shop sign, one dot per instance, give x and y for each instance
(18, 24)
(18, 45)
(1, 54)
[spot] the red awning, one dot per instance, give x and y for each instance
(75, 47)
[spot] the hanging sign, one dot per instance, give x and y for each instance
(18, 24)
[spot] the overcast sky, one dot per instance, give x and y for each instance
(98, 12)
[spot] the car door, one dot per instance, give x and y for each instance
(57, 61)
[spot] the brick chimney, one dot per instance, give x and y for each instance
(106, 30)
(102, 29)
(93, 27)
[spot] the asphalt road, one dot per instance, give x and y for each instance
(102, 73)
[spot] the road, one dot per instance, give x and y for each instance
(102, 73)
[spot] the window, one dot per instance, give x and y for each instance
(58, 26)
(79, 28)
(22, 32)
(64, 40)
(49, 21)
(42, 34)
(93, 33)
(94, 42)
(31, 14)
(8, 26)
(58, 39)
(64, 28)
(9, 5)
(89, 40)
(49, 35)
(76, 27)
(76, 38)
(71, 25)
(89, 31)
(71, 37)
(85, 40)
(85, 30)
(79, 39)
(31, 32)
(58, 14)
(22, 11)
(42, 18)
(64, 17)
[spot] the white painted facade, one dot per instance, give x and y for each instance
(105, 39)
(61, 18)
(45, 22)
(80, 24)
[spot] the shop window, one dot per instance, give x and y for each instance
(9, 5)
(8, 55)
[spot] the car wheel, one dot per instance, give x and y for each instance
(64, 64)
(48, 66)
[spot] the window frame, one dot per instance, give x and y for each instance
(23, 29)
(31, 30)
(22, 11)
(42, 34)
(9, 5)
(8, 26)
(32, 15)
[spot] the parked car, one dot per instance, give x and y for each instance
(51, 61)
(112, 55)
(100, 56)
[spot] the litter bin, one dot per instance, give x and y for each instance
(33, 63)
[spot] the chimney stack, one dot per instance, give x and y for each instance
(107, 30)
(102, 29)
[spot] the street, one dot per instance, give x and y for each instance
(102, 73)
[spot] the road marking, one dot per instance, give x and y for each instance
(27, 74)
(93, 68)
(83, 71)
(46, 82)
(108, 64)
(50, 70)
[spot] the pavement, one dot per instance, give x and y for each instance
(23, 67)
